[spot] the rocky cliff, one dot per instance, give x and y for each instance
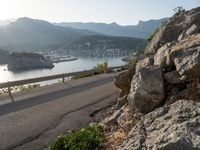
(159, 103)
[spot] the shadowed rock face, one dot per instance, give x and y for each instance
(27, 61)
(168, 128)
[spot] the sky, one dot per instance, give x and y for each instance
(124, 12)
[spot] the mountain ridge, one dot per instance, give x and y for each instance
(142, 30)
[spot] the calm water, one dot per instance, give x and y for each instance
(64, 67)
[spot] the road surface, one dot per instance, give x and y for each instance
(40, 115)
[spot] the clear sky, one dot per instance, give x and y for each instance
(121, 11)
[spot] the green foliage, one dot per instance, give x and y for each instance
(88, 138)
(98, 69)
(82, 75)
(101, 66)
(130, 62)
(177, 11)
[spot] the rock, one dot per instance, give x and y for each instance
(121, 101)
(192, 30)
(113, 119)
(172, 127)
(162, 57)
(175, 30)
(123, 80)
(173, 77)
(147, 89)
(186, 56)
(144, 63)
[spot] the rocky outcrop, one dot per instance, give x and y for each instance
(184, 24)
(144, 63)
(168, 128)
(186, 56)
(165, 89)
(147, 89)
(27, 61)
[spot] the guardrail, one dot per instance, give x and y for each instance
(8, 85)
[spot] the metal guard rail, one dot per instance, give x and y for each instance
(52, 77)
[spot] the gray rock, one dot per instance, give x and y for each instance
(121, 101)
(162, 57)
(112, 119)
(149, 61)
(192, 30)
(147, 89)
(173, 77)
(173, 127)
(123, 80)
(175, 30)
(187, 62)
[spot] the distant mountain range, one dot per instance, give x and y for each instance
(142, 30)
(26, 34)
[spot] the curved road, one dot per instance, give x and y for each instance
(40, 115)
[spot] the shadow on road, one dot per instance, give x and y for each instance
(33, 101)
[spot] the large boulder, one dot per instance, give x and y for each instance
(123, 80)
(178, 25)
(147, 89)
(173, 127)
(186, 56)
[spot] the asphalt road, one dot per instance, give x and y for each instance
(40, 115)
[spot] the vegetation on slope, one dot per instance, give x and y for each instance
(88, 138)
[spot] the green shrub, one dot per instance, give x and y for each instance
(88, 138)
(101, 66)
(177, 11)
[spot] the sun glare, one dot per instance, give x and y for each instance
(11, 9)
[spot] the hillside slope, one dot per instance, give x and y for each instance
(27, 34)
(94, 45)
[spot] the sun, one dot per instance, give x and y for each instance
(9, 9)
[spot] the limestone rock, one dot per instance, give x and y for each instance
(123, 80)
(112, 119)
(177, 26)
(147, 89)
(171, 127)
(162, 57)
(144, 63)
(173, 77)
(192, 30)
(186, 56)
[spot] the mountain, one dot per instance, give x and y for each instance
(27, 34)
(142, 30)
(98, 45)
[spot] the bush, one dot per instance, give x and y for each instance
(86, 139)
(177, 11)
(101, 66)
